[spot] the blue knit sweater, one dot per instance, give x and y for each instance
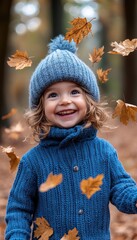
(77, 153)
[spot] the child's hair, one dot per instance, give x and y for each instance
(97, 115)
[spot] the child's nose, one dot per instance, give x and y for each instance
(65, 99)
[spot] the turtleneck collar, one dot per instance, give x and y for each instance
(62, 136)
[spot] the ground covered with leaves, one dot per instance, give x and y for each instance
(124, 139)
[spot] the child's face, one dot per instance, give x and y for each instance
(65, 104)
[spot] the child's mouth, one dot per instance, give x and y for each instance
(66, 112)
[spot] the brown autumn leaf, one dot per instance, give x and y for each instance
(91, 185)
(51, 182)
(81, 28)
(14, 159)
(19, 60)
(103, 75)
(72, 235)
(43, 230)
(10, 114)
(14, 131)
(96, 55)
(125, 112)
(124, 48)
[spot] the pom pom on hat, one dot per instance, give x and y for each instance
(61, 64)
(62, 44)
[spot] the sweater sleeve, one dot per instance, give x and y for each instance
(21, 204)
(123, 192)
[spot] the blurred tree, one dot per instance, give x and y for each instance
(5, 7)
(56, 17)
(130, 71)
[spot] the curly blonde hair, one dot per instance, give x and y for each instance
(98, 114)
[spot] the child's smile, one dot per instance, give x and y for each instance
(65, 104)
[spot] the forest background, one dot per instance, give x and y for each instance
(28, 25)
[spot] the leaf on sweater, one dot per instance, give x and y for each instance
(14, 131)
(51, 182)
(43, 230)
(72, 235)
(125, 112)
(81, 28)
(91, 185)
(96, 55)
(14, 159)
(10, 114)
(19, 60)
(124, 48)
(103, 75)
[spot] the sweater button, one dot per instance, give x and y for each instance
(75, 168)
(81, 211)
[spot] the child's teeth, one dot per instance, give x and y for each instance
(66, 112)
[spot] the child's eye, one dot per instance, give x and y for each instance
(75, 91)
(52, 95)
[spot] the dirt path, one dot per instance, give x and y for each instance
(124, 139)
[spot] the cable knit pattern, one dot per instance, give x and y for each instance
(64, 206)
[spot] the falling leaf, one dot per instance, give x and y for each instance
(19, 60)
(10, 114)
(124, 48)
(103, 75)
(72, 235)
(97, 54)
(51, 182)
(91, 185)
(14, 159)
(43, 230)
(125, 112)
(14, 131)
(81, 28)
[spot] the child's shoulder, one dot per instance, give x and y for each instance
(32, 154)
(105, 145)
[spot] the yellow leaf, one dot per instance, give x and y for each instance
(14, 159)
(19, 60)
(91, 185)
(43, 230)
(80, 29)
(51, 182)
(124, 48)
(125, 112)
(10, 114)
(103, 75)
(96, 55)
(72, 235)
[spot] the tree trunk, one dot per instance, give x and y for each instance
(130, 72)
(56, 17)
(5, 7)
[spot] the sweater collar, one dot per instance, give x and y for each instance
(62, 136)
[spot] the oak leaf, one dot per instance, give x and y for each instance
(14, 159)
(103, 75)
(51, 182)
(19, 60)
(43, 230)
(91, 185)
(10, 114)
(72, 235)
(81, 28)
(125, 112)
(124, 48)
(96, 55)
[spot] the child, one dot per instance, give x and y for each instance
(65, 113)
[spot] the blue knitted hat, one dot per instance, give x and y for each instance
(61, 64)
